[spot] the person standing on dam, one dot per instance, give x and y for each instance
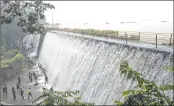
(51, 89)
(29, 93)
(14, 94)
(34, 75)
(39, 65)
(5, 89)
(19, 80)
(46, 79)
(22, 93)
(17, 86)
(30, 76)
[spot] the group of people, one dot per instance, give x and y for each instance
(44, 71)
(30, 48)
(31, 78)
(19, 85)
(30, 63)
(18, 89)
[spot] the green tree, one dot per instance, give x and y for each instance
(60, 98)
(147, 92)
(29, 15)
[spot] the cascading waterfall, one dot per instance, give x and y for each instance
(92, 67)
(32, 39)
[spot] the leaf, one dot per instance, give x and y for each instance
(137, 74)
(167, 87)
(129, 74)
(125, 93)
(171, 68)
(118, 103)
(124, 72)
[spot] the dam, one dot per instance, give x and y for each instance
(92, 66)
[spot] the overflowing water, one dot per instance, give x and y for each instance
(92, 67)
(32, 39)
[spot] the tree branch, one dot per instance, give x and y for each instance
(3, 6)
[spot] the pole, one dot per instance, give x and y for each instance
(156, 40)
(126, 37)
(106, 36)
(139, 37)
(82, 32)
(170, 40)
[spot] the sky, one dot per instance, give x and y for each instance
(109, 11)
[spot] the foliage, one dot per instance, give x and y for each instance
(108, 33)
(8, 62)
(148, 93)
(60, 98)
(27, 14)
(93, 32)
(171, 68)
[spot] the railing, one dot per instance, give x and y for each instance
(143, 37)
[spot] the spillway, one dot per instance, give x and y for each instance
(92, 66)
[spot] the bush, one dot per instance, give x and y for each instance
(8, 62)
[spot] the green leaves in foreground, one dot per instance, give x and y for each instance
(167, 87)
(60, 98)
(171, 68)
(148, 92)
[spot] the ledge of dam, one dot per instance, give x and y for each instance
(131, 44)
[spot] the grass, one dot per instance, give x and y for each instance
(108, 33)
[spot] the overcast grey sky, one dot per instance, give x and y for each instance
(111, 11)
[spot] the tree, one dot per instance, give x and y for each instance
(27, 14)
(148, 93)
(60, 98)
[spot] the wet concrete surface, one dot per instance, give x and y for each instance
(36, 90)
